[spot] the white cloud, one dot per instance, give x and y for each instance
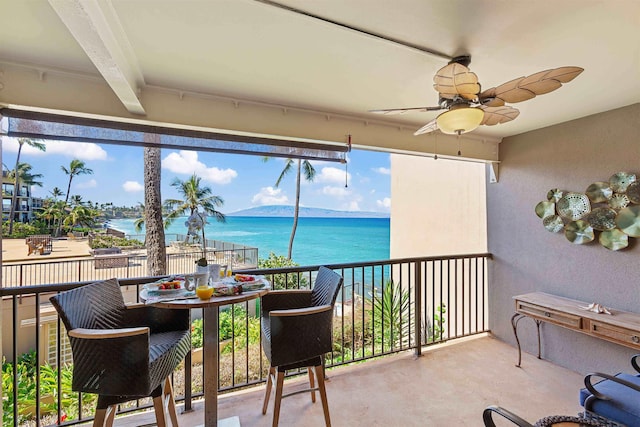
(270, 196)
(187, 163)
(353, 206)
(384, 203)
(335, 191)
(132, 187)
(331, 175)
(382, 170)
(75, 150)
(92, 183)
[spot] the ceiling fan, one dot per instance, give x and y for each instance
(467, 107)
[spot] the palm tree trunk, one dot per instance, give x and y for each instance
(14, 196)
(296, 210)
(156, 248)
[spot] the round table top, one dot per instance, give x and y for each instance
(211, 302)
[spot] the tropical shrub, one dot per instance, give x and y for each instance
(283, 281)
(233, 324)
(391, 315)
(27, 386)
(21, 230)
(107, 241)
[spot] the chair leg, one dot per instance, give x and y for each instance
(311, 384)
(323, 394)
(158, 406)
(104, 417)
(170, 402)
(276, 406)
(267, 391)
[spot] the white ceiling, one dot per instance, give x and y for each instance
(250, 50)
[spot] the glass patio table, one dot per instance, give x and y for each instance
(211, 346)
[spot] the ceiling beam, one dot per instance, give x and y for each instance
(24, 87)
(97, 29)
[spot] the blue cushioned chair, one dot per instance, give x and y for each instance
(615, 397)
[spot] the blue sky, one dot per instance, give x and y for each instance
(242, 181)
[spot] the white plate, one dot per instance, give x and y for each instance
(153, 289)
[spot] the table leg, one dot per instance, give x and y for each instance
(514, 324)
(210, 366)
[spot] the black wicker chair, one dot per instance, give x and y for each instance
(551, 421)
(122, 352)
(296, 333)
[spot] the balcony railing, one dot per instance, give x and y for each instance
(384, 307)
(123, 265)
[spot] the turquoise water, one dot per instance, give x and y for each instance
(317, 240)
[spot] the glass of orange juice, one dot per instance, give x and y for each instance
(204, 292)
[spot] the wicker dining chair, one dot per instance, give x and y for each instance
(122, 352)
(296, 333)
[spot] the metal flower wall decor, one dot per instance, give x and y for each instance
(611, 208)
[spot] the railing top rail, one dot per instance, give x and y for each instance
(22, 290)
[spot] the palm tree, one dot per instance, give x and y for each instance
(56, 192)
(139, 222)
(194, 197)
(21, 142)
(309, 175)
(76, 167)
(154, 237)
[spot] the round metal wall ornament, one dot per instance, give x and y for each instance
(619, 201)
(553, 223)
(579, 232)
(614, 239)
(628, 220)
(599, 192)
(633, 192)
(545, 209)
(602, 218)
(620, 181)
(573, 206)
(554, 195)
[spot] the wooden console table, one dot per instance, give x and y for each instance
(619, 327)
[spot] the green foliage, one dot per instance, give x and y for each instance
(22, 230)
(436, 332)
(196, 333)
(391, 315)
(233, 324)
(107, 241)
(27, 386)
(283, 281)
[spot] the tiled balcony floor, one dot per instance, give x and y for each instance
(447, 386)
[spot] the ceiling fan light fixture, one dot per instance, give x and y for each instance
(460, 120)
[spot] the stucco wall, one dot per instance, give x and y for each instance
(437, 207)
(528, 258)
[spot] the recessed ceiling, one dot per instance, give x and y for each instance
(252, 50)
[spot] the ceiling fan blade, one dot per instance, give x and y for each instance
(405, 110)
(498, 115)
(525, 88)
(429, 127)
(456, 79)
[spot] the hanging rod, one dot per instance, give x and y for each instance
(419, 48)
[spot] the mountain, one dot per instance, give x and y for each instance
(287, 211)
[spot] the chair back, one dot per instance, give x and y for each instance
(99, 305)
(326, 287)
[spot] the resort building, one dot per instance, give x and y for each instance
(27, 205)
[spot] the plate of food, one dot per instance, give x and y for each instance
(165, 287)
(247, 279)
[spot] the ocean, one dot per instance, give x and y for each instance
(317, 241)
